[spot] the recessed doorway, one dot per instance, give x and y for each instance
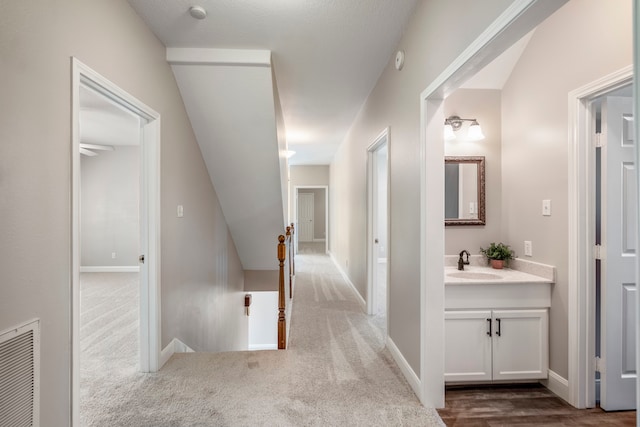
(312, 219)
(115, 229)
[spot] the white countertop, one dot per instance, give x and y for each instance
(505, 276)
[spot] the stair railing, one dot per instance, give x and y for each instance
(282, 320)
(286, 257)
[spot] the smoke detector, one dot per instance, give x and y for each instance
(198, 12)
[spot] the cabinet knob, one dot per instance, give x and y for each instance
(489, 323)
(499, 329)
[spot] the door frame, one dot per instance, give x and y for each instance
(82, 75)
(382, 138)
(517, 20)
(326, 211)
(581, 271)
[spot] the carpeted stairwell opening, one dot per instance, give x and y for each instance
(336, 372)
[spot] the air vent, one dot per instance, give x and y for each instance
(20, 376)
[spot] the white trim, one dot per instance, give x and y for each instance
(208, 56)
(404, 366)
(581, 221)
(558, 385)
(636, 128)
(319, 240)
(259, 347)
(361, 300)
(326, 213)
(174, 346)
(517, 19)
(82, 75)
(110, 269)
(382, 138)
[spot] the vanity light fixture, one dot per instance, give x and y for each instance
(454, 123)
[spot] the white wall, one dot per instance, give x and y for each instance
(580, 43)
(484, 105)
(109, 208)
(202, 280)
(263, 321)
(437, 33)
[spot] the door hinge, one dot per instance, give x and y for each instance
(598, 141)
(597, 252)
(598, 363)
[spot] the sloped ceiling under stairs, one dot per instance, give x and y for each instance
(232, 102)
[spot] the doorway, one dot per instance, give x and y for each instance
(615, 231)
(584, 291)
(378, 229)
(140, 219)
(311, 207)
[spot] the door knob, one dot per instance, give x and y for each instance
(141, 259)
(376, 241)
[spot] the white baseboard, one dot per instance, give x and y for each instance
(361, 300)
(257, 347)
(110, 269)
(404, 366)
(175, 346)
(558, 385)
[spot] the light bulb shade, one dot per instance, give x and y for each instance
(448, 132)
(475, 132)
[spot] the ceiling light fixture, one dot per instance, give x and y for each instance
(453, 123)
(198, 12)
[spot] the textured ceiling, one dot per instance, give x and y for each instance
(327, 54)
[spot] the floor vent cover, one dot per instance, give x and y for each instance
(20, 375)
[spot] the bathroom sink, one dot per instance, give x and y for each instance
(474, 275)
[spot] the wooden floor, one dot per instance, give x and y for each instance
(521, 405)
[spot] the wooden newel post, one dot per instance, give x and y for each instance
(282, 322)
(293, 258)
(290, 262)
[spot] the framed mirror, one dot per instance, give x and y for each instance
(464, 197)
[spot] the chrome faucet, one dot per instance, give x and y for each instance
(462, 262)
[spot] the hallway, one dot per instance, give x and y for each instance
(335, 372)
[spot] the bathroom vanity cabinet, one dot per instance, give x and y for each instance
(496, 345)
(497, 330)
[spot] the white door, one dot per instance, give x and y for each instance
(619, 192)
(520, 344)
(467, 345)
(378, 227)
(305, 217)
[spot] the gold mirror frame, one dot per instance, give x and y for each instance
(479, 161)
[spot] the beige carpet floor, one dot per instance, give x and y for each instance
(336, 372)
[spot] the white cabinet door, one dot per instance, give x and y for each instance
(520, 344)
(467, 345)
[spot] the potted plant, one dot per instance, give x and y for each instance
(498, 254)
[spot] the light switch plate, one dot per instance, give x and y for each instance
(528, 248)
(180, 211)
(546, 207)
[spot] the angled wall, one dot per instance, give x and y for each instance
(234, 111)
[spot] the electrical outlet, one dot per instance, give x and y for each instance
(180, 211)
(528, 248)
